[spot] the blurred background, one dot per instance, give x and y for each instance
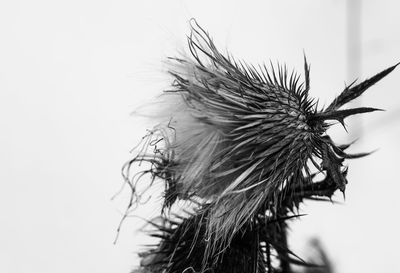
(71, 72)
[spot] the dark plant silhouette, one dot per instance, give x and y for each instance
(243, 148)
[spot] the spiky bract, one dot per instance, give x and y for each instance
(252, 249)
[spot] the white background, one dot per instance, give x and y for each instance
(71, 72)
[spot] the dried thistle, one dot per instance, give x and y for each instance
(241, 140)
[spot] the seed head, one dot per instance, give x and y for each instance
(241, 137)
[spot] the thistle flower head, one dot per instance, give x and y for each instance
(243, 137)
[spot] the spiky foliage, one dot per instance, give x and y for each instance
(183, 248)
(259, 246)
(241, 140)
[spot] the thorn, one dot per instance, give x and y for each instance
(345, 146)
(341, 121)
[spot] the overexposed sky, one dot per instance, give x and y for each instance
(71, 72)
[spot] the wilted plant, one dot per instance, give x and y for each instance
(244, 145)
